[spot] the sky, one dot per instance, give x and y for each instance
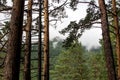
(90, 38)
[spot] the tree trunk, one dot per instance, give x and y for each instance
(46, 42)
(107, 43)
(12, 62)
(40, 41)
(27, 57)
(116, 25)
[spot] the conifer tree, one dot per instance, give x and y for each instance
(27, 56)
(117, 34)
(46, 42)
(12, 62)
(107, 42)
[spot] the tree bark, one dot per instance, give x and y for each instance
(116, 25)
(107, 42)
(27, 57)
(12, 62)
(46, 42)
(40, 42)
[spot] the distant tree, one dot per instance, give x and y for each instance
(55, 49)
(97, 67)
(12, 62)
(92, 64)
(70, 65)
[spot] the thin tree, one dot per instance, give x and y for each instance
(116, 25)
(107, 42)
(27, 57)
(40, 41)
(46, 41)
(12, 62)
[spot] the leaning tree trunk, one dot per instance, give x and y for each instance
(116, 25)
(12, 62)
(27, 57)
(46, 42)
(106, 42)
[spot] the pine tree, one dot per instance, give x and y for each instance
(70, 64)
(27, 57)
(40, 42)
(116, 25)
(46, 42)
(12, 62)
(107, 42)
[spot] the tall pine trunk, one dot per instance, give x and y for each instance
(27, 57)
(107, 42)
(46, 42)
(116, 25)
(40, 41)
(12, 62)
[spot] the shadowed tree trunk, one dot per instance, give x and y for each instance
(12, 62)
(27, 57)
(116, 25)
(106, 42)
(40, 41)
(46, 42)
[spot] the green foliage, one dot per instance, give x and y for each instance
(70, 65)
(93, 14)
(76, 63)
(55, 50)
(74, 33)
(34, 62)
(1, 73)
(58, 11)
(75, 30)
(73, 4)
(97, 69)
(3, 41)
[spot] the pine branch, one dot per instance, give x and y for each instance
(5, 8)
(59, 7)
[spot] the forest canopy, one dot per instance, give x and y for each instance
(28, 53)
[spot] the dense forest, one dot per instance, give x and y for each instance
(28, 53)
